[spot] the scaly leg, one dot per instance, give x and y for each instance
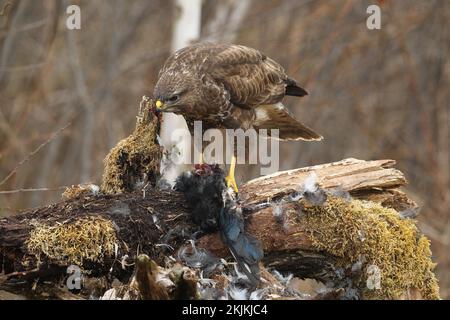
(231, 182)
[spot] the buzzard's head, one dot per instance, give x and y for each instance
(176, 92)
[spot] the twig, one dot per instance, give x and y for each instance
(32, 190)
(3, 12)
(34, 152)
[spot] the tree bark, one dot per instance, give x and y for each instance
(292, 250)
(158, 222)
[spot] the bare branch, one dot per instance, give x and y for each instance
(33, 153)
(32, 190)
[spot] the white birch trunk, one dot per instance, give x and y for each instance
(186, 30)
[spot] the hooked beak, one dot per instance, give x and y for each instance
(160, 106)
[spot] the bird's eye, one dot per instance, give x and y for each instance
(173, 98)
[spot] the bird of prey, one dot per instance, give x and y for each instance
(229, 86)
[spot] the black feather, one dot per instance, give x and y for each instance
(245, 248)
(204, 191)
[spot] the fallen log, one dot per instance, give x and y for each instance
(365, 180)
(355, 241)
(156, 221)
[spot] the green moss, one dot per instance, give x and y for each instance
(86, 239)
(364, 229)
(136, 158)
(79, 190)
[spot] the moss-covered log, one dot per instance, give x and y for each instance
(356, 238)
(97, 231)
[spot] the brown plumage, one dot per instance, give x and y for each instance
(230, 86)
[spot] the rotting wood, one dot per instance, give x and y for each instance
(160, 221)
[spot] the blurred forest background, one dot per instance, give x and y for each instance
(70, 96)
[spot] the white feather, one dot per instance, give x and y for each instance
(261, 114)
(310, 184)
(237, 293)
(258, 294)
(94, 189)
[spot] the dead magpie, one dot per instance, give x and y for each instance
(215, 208)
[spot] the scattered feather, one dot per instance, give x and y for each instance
(340, 193)
(277, 210)
(410, 213)
(237, 293)
(310, 184)
(284, 280)
(258, 294)
(198, 258)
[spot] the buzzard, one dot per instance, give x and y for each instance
(229, 86)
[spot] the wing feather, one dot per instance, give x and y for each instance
(250, 77)
(278, 117)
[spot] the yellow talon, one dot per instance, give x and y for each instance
(231, 182)
(159, 104)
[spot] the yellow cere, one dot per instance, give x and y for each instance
(159, 104)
